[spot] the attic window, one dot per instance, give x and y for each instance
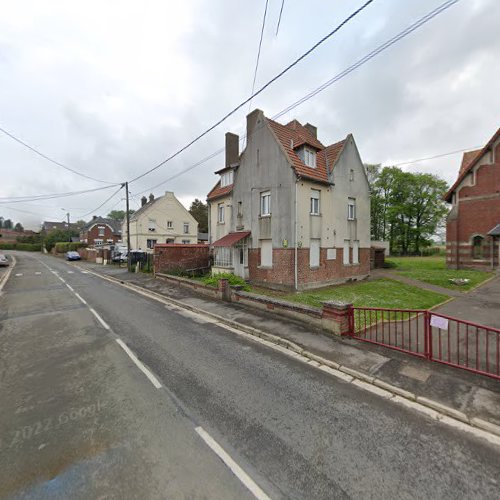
(226, 179)
(308, 156)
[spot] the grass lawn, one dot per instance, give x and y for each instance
(377, 293)
(433, 270)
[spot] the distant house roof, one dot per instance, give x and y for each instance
(112, 223)
(469, 162)
(218, 191)
(144, 208)
(61, 226)
(230, 239)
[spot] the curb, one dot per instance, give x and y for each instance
(429, 407)
(6, 276)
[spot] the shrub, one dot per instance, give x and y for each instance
(66, 246)
(213, 280)
(26, 247)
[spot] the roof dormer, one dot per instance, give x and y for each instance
(307, 155)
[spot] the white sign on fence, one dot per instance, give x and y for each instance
(439, 322)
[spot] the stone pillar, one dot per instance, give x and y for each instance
(336, 317)
(225, 289)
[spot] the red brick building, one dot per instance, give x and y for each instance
(473, 224)
(100, 231)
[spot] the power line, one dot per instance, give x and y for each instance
(433, 157)
(23, 199)
(103, 203)
(258, 53)
(279, 18)
(246, 101)
(423, 20)
(48, 158)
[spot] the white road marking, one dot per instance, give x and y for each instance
(70, 287)
(250, 484)
(70, 272)
(84, 272)
(103, 323)
(139, 364)
(38, 272)
(18, 274)
(78, 296)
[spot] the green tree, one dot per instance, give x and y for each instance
(199, 211)
(119, 215)
(7, 224)
(57, 236)
(19, 227)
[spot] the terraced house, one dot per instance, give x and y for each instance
(290, 212)
(473, 224)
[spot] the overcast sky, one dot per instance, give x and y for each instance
(112, 88)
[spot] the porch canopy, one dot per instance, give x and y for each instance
(495, 231)
(231, 239)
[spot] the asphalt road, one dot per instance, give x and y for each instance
(79, 419)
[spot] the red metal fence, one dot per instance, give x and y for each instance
(430, 335)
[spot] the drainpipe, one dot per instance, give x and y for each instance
(296, 273)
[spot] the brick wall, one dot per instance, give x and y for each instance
(282, 274)
(93, 235)
(477, 212)
(172, 257)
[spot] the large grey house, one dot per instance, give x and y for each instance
(289, 212)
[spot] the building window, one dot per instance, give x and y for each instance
(152, 225)
(226, 179)
(151, 243)
(186, 242)
(109, 241)
(355, 252)
(315, 201)
(351, 175)
(240, 209)
(223, 257)
(220, 213)
(265, 204)
(351, 209)
(477, 247)
(186, 227)
(170, 241)
(310, 157)
(266, 253)
(170, 224)
(314, 247)
(98, 243)
(345, 258)
(101, 230)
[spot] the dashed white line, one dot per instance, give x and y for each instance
(103, 323)
(78, 296)
(84, 272)
(70, 287)
(38, 273)
(139, 364)
(70, 272)
(18, 274)
(250, 484)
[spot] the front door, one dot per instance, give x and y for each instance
(240, 260)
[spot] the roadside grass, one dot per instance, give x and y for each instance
(433, 270)
(385, 293)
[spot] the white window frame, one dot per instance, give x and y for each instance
(266, 253)
(314, 252)
(150, 243)
(223, 257)
(101, 230)
(355, 252)
(98, 242)
(265, 204)
(170, 224)
(186, 228)
(152, 225)
(220, 213)
(351, 209)
(346, 253)
(310, 157)
(226, 179)
(315, 201)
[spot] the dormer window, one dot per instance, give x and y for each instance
(226, 178)
(308, 156)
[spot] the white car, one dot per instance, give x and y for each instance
(3, 260)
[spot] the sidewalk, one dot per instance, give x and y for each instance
(473, 395)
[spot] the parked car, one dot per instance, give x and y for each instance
(72, 255)
(3, 260)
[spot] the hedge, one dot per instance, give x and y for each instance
(26, 247)
(66, 246)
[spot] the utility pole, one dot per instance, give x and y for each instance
(128, 227)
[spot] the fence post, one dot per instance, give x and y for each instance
(225, 289)
(337, 317)
(428, 335)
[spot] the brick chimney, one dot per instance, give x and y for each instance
(232, 148)
(151, 197)
(312, 130)
(144, 200)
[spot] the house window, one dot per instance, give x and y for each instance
(355, 252)
(345, 258)
(186, 227)
(186, 242)
(240, 209)
(220, 213)
(109, 241)
(266, 253)
(151, 243)
(170, 224)
(351, 175)
(170, 240)
(351, 209)
(223, 257)
(152, 225)
(477, 247)
(265, 204)
(98, 243)
(100, 230)
(314, 253)
(315, 201)
(310, 157)
(226, 179)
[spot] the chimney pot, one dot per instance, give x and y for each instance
(144, 200)
(312, 130)
(94, 217)
(232, 148)
(151, 197)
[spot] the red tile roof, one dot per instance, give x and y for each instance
(466, 169)
(230, 239)
(218, 191)
(468, 157)
(292, 136)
